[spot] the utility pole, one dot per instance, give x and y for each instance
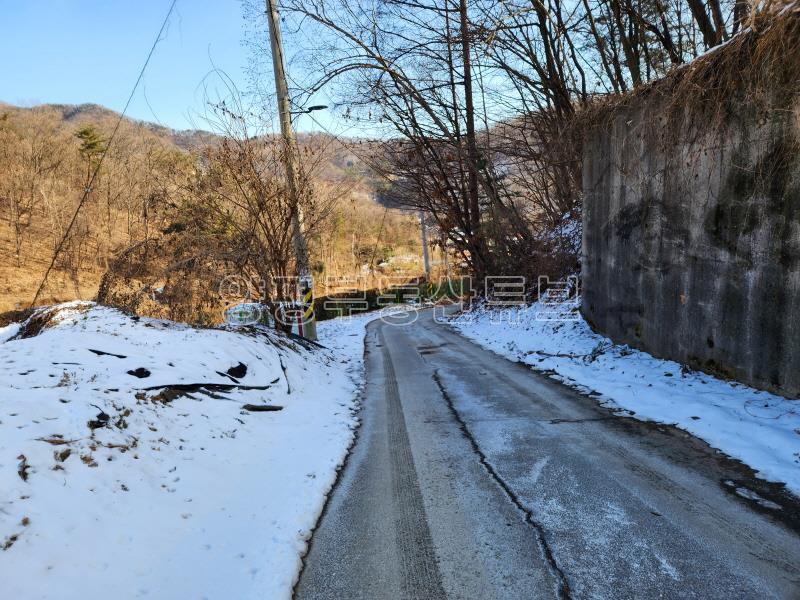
(307, 326)
(424, 239)
(446, 259)
(472, 145)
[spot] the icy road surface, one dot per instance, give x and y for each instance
(474, 477)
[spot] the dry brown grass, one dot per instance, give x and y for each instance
(753, 67)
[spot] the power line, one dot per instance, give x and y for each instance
(88, 187)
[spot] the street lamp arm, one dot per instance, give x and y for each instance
(309, 109)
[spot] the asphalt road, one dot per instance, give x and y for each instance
(474, 477)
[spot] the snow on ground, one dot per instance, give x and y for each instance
(760, 429)
(110, 489)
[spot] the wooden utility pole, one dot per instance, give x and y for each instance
(472, 145)
(306, 324)
(426, 261)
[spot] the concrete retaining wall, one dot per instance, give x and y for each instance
(691, 237)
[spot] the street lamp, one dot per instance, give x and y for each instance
(309, 109)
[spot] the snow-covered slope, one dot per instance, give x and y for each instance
(760, 429)
(111, 489)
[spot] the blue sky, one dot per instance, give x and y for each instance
(75, 51)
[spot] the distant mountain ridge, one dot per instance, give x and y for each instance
(86, 113)
(340, 160)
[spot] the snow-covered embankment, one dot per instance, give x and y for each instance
(760, 429)
(120, 475)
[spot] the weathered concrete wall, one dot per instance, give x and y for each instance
(691, 247)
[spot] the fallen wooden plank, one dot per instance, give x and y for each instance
(262, 407)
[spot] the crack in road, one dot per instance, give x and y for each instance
(563, 585)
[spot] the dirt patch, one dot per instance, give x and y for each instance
(42, 318)
(15, 316)
(140, 372)
(238, 371)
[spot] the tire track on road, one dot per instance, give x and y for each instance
(420, 572)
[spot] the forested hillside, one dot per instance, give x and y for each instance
(161, 191)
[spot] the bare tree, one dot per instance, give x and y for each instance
(32, 154)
